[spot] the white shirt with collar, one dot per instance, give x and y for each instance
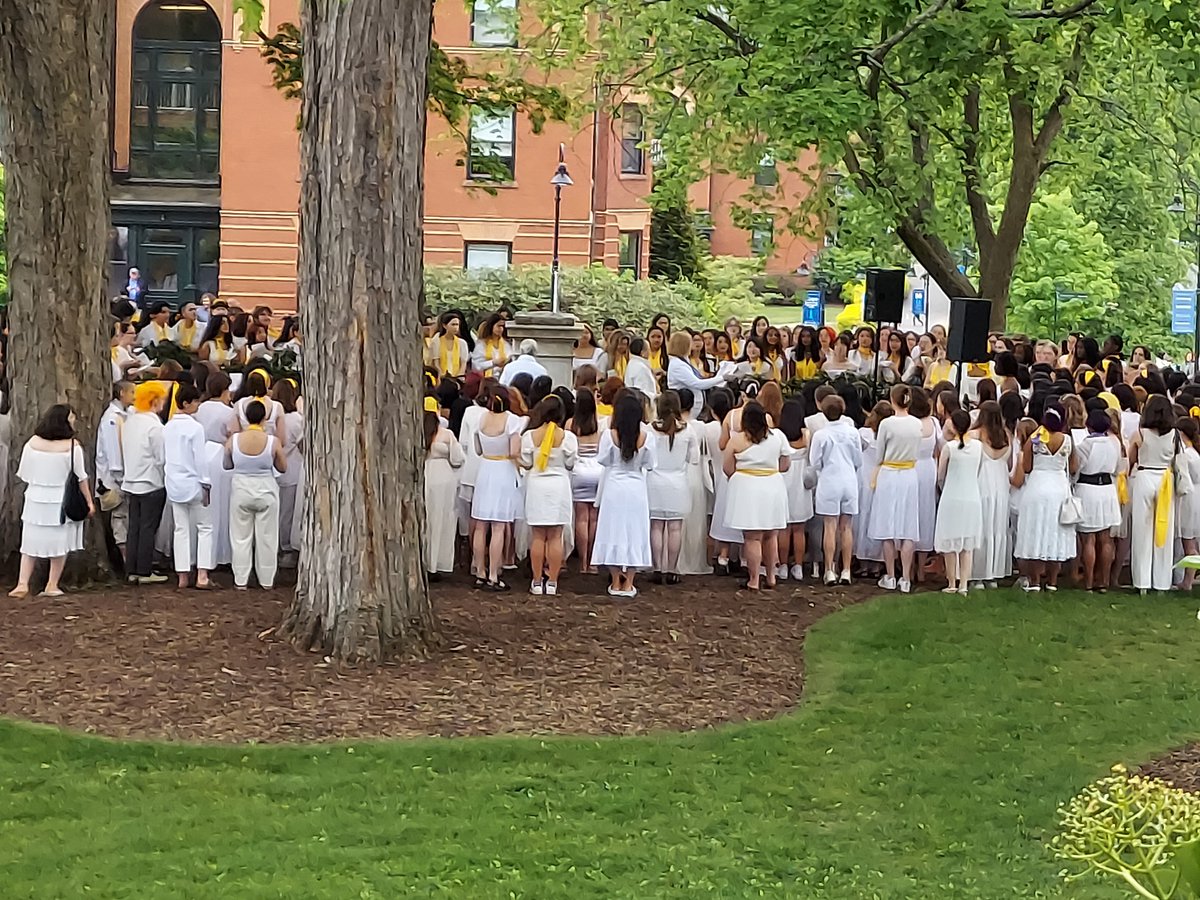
(142, 445)
(682, 374)
(184, 452)
(522, 364)
(640, 377)
(149, 335)
(110, 461)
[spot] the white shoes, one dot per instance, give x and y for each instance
(781, 573)
(831, 577)
(551, 589)
(905, 586)
(845, 579)
(535, 588)
(797, 572)
(887, 582)
(816, 570)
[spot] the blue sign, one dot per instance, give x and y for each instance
(1183, 311)
(814, 309)
(918, 302)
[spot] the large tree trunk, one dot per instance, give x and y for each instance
(55, 66)
(362, 593)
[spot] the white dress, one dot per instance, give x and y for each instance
(43, 533)
(864, 547)
(585, 477)
(593, 361)
(1150, 565)
(471, 418)
(290, 481)
(719, 530)
(623, 523)
(693, 551)
(441, 490)
(959, 523)
(1100, 455)
(800, 498)
(667, 482)
(895, 508)
(497, 494)
(993, 557)
(759, 501)
(548, 501)
(1188, 516)
(1040, 537)
(927, 489)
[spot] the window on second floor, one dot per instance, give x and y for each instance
(492, 139)
(633, 134)
(767, 175)
(494, 23)
(762, 235)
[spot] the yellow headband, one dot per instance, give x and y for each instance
(263, 374)
(1110, 400)
(431, 404)
(1194, 412)
(293, 382)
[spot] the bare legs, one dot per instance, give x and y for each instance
(666, 540)
(585, 535)
(621, 581)
(28, 564)
(906, 559)
(1189, 575)
(958, 570)
(488, 549)
(761, 549)
(546, 552)
(793, 542)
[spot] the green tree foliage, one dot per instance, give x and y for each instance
(674, 244)
(945, 115)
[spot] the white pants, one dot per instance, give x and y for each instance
(193, 531)
(287, 512)
(1150, 566)
(254, 528)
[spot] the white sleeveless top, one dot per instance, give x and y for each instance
(262, 464)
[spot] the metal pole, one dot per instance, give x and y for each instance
(926, 301)
(1196, 299)
(554, 264)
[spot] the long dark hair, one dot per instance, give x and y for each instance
(791, 420)
(430, 425)
(990, 424)
(627, 423)
(812, 352)
(720, 402)
(1158, 414)
(584, 421)
(548, 409)
(55, 425)
(754, 422)
(214, 333)
(669, 416)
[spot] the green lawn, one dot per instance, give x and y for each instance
(935, 740)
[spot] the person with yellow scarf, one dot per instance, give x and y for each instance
(657, 355)
(754, 363)
(187, 332)
(156, 331)
(548, 453)
(1043, 541)
(895, 505)
(492, 349)
(616, 355)
(1154, 459)
(449, 353)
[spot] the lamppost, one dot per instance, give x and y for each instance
(1179, 205)
(560, 180)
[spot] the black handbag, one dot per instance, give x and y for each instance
(74, 504)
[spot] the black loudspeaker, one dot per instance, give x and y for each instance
(884, 301)
(968, 335)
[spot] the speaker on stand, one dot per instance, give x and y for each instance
(966, 341)
(883, 302)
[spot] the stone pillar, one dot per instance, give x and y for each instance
(555, 334)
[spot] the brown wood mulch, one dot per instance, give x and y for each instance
(159, 663)
(1180, 767)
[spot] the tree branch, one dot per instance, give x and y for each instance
(1062, 15)
(746, 46)
(977, 200)
(1052, 122)
(878, 53)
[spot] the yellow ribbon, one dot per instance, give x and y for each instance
(505, 458)
(1194, 412)
(497, 348)
(431, 404)
(114, 353)
(620, 364)
(254, 428)
(163, 332)
(756, 366)
(187, 333)
(1122, 488)
(1162, 507)
(656, 360)
(805, 369)
(1043, 435)
(543, 455)
(898, 464)
(736, 347)
(760, 473)
(449, 361)
(604, 409)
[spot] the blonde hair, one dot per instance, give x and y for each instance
(146, 394)
(679, 344)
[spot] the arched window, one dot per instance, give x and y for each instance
(176, 93)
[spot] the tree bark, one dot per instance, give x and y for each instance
(362, 592)
(55, 66)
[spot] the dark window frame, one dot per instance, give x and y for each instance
(767, 174)
(633, 154)
(634, 264)
(192, 225)
(511, 159)
(762, 235)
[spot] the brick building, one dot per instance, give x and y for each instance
(205, 163)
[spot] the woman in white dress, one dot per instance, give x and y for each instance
(868, 552)
(1189, 504)
(835, 456)
(693, 553)
(720, 405)
(448, 352)
(585, 477)
(496, 500)
(675, 451)
(493, 351)
(837, 362)
(623, 526)
(993, 558)
(1152, 457)
(793, 540)
(1099, 459)
(217, 345)
(587, 352)
(927, 452)
(46, 533)
(471, 418)
(895, 510)
(959, 527)
(443, 459)
(862, 357)
(755, 459)
(1043, 543)
(287, 396)
(548, 454)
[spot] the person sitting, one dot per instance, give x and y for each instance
(156, 330)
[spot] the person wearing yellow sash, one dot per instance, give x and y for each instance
(156, 331)
(217, 345)
(699, 358)
(492, 349)
(449, 353)
(753, 364)
(862, 357)
(755, 459)
(775, 353)
(548, 454)
(657, 352)
(733, 331)
(187, 331)
(1153, 453)
(1043, 542)
(806, 353)
(895, 507)
(616, 354)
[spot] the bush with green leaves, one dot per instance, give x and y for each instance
(1139, 830)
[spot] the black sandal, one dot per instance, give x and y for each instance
(497, 587)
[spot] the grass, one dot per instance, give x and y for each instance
(936, 738)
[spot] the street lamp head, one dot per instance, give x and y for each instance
(1177, 205)
(561, 178)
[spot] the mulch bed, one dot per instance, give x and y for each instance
(158, 663)
(1180, 767)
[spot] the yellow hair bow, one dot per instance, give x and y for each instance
(431, 404)
(1194, 412)
(1043, 435)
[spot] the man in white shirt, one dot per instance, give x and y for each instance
(142, 481)
(188, 332)
(110, 463)
(527, 362)
(156, 331)
(189, 486)
(638, 374)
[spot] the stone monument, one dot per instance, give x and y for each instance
(555, 333)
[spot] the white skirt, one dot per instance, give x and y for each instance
(1039, 535)
(670, 498)
(497, 494)
(1101, 509)
(441, 489)
(757, 502)
(800, 498)
(959, 524)
(693, 552)
(927, 496)
(50, 541)
(623, 524)
(547, 499)
(895, 508)
(720, 530)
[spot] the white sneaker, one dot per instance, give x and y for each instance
(781, 573)
(845, 579)
(535, 588)
(797, 572)
(905, 586)
(816, 570)
(887, 582)
(551, 589)
(831, 577)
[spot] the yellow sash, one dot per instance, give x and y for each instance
(431, 404)
(893, 464)
(449, 362)
(187, 335)
(543, 454)
(656, 360)
(761, 473)
(1122, 488)
(1162, 506)
(505, 458)
(806, 368)
(619, 366)
(604, 409)
(163, 332)
(490, 352)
